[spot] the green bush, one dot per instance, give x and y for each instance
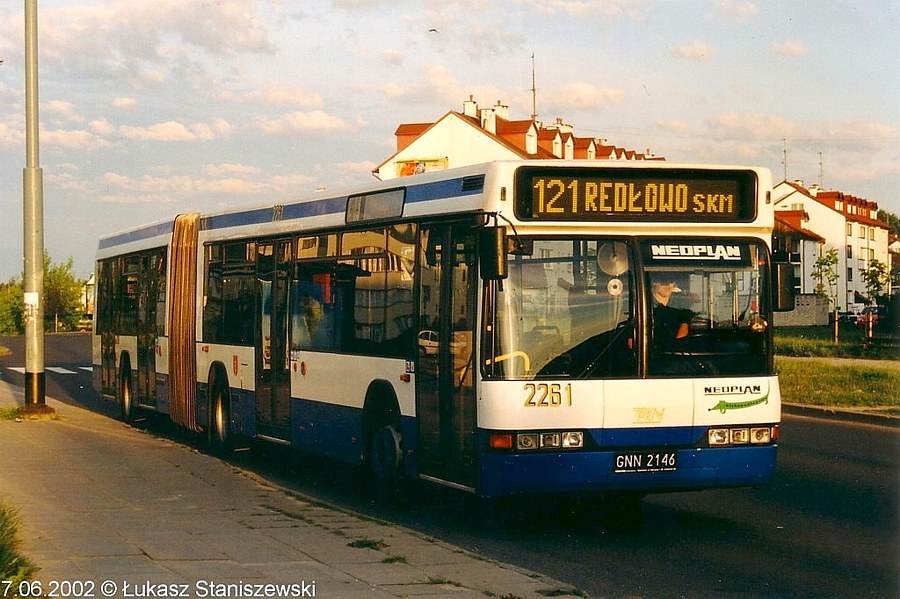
(14, 567)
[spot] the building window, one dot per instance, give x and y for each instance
(872, 233)
(849, 274)
(862, 231)
(849, 252)
(849, 229)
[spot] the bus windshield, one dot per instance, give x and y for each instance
(571, 308)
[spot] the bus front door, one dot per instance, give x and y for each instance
(273, 389)
(445, 373)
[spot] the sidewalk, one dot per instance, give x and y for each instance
(129, 513)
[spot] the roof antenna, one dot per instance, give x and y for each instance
(784, 156)
(533, 92)
(821, 172)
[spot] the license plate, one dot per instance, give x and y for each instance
(646, 461)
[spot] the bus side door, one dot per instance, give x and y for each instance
(273, 380)
(445, 373)
(151, 291)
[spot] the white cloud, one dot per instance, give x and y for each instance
(738, 11)
(674, 127)
(65, 111)
(275, 93)
(580, 8)
(219, 170)
(393, 58)
(77, 139)
(300, 122)
(751, 126)
(102, 127)
(696, 50)
(290, 184)
(175, 131)
(11, 136)
(364, 166)
(125, 103)
(789, 48)
(580, 94)
(232, 186)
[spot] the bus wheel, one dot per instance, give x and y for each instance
(385, 457)
(219, 430)
(126, 401)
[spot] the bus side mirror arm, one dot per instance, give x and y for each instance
(494, 259)
(783, 300)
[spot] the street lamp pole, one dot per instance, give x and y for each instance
(33, 213)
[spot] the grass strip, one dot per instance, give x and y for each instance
(822, 382)
(14, 567)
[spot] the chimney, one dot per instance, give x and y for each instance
(489, 120)
(470, 108)
(501, 110)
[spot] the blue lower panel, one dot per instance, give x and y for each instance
(332, 430)
(579, 471)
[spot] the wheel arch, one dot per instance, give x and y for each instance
(380, 408)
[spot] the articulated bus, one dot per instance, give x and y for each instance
(509, 328)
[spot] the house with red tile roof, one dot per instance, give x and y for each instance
(811, 221)
(478, 134)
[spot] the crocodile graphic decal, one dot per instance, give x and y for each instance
(725, 405)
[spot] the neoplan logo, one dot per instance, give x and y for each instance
(696, 252)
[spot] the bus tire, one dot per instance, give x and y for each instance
(126, 398)
(385, 458)
(219, 431)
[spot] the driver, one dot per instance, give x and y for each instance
(669, 324)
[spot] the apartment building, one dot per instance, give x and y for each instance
(811, 221)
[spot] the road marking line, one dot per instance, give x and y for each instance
(54, 369)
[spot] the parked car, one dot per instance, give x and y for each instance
(863, 317)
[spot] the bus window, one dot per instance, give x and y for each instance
(707, 314)
(565, 311)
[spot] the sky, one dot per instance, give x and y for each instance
(149, 109)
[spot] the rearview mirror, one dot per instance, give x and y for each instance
(493, 253)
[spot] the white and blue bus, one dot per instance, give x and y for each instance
(508, 328)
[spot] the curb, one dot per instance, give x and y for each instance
(842, 414)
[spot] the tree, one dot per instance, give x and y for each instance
(62, 300)
(11, 308)
(825, 270)
(877, 279)
(62, 296)
(892, 221)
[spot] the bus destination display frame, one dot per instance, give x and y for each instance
(635, 194)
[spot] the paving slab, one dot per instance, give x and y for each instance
(103, 502)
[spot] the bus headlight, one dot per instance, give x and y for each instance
(548, 440)
(572, 439)
(526, 441)
(718, 437)
(760, 435)
(742, 435)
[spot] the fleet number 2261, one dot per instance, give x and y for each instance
(547, 395)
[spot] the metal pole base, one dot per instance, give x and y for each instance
(35, 383)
